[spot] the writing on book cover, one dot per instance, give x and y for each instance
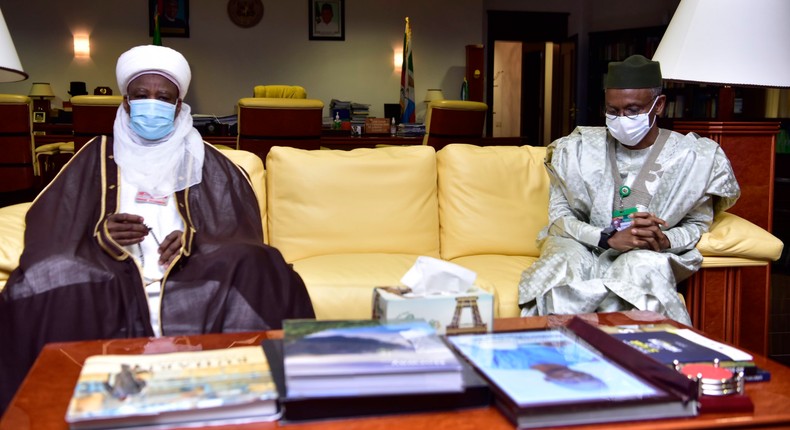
(122, 390)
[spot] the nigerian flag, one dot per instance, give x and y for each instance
(157, 32)
(407, 105)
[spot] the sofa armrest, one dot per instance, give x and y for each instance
(733, 236)
(12, 238)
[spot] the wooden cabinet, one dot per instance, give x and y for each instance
(732, 303)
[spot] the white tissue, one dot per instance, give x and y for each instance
(431, 276)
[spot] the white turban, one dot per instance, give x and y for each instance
(159, 60)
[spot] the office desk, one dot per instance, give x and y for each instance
(42, 399)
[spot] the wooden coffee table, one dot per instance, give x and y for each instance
(43, 397)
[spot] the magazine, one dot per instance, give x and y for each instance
(556, 377)
(231, 385)
(358, 357)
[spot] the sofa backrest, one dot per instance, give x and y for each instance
(359, 201)
(253, 165)
(492, 199)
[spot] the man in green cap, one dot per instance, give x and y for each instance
(628, 204)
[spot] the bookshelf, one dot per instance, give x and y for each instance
(614, 45)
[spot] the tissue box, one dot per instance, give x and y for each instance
(469, 312)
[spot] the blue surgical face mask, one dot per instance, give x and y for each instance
(152, 119)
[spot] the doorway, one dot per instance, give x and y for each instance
(532, 68)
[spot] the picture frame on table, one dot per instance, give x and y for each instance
(39, 117)
(173, 17)
(326, 19)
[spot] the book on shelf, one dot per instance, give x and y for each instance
(575, 375)
(360, 357)
(667, 344)
(224, 386)
(474, 393)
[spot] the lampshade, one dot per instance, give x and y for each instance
(41, 89)
(731, 42)
(10, 67)
(433, 94)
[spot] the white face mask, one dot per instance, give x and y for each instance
(630, 130)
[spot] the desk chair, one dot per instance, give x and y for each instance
(18, 170)
(93, 116)
(454, 121)
(267, 122)
(279, 91)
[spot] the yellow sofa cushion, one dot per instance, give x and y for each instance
(492, 199)
(733, 236)
(335, 297)
(253, 165)
(380, 200)
(504, 272)
(12, 238)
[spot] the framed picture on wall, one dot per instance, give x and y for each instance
(173, 17)
(326, 19)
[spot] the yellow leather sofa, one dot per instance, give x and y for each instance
(353, 220)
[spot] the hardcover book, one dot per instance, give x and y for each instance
(359, 357)
(574, 375)
(667, 343)
(475, 393)
(224, 386)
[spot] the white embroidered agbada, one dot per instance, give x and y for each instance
(691, 181)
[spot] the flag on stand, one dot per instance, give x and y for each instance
(157, 32)
(407, 106)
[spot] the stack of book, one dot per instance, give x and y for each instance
(339, 108)
(386, 367)
(359, 113)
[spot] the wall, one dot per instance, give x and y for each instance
(227, 61)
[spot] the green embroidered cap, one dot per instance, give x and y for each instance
(635, 71)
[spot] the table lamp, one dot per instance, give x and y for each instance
(10, 67)
(41, 92)
(433, 94)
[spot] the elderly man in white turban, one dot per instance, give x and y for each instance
(150, 232)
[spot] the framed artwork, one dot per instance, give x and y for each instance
(39, 116)
(173, 17)
(326, 19)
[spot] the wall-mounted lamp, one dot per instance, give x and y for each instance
(397, 59)
(82, 46)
